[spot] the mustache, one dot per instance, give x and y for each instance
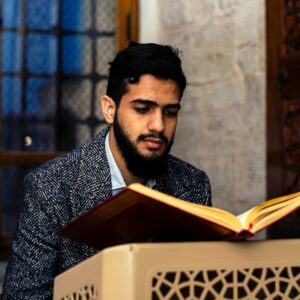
(160, 136)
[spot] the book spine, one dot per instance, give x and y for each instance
(240, 236)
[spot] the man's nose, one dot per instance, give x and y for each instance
(157, 122)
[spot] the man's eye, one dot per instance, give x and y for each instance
(142, 110)
(171, 113)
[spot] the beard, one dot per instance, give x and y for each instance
(149, 166)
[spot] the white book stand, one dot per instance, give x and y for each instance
(202, 270)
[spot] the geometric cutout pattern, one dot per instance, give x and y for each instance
(249, 283)
(292, 24)
(87, 292)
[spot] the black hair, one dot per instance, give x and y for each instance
(161, 61)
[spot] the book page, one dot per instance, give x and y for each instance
(270, 211)
(211, 214)
(268, 218)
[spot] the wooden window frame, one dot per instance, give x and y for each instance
(127, 22)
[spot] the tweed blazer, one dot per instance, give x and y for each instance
(60, 191)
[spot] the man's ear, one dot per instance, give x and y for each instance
(108, 107)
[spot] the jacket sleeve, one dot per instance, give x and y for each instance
(32, 266)
(206, 194)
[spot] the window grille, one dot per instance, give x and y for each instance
(53, 69)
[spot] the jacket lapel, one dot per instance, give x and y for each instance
(170, 182)
(93, 184)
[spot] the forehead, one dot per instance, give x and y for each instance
(162, 91)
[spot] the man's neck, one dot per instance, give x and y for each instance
(129, 178)
(121, 163)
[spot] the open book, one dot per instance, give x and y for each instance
(140, 214)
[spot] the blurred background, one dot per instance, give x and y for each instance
(240, 116)
(54, 64)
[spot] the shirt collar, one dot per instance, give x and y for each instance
(117, 179)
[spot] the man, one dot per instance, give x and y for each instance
(145, 86)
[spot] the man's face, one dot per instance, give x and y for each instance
(145, 123)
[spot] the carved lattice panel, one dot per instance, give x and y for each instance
(292, 25)
(247, 283)
(283, 108)
(289, 79)
(292, 145)
(85, 292)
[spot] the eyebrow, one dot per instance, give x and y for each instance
(153, 103)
